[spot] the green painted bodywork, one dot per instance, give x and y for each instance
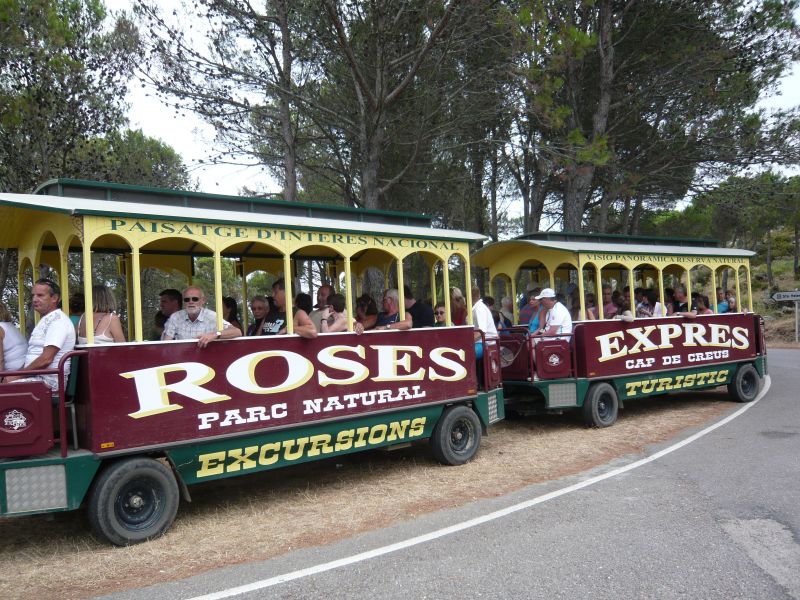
(482, 404)
(241, 455)
(271, 450)
(761, 365)
(80, 468)
(662, 382)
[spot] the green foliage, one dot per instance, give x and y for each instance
(128, 157)
(62, 80)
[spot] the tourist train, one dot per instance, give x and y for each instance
(129, 426)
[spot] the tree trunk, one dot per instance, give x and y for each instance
(372, 145)
(770, 278)
(493, 194)
(476, 189)
(581, 174)
(637, 216)
(287, 130)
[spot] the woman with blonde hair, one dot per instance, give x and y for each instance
(458, 307)
(107, 326)
(13, 345)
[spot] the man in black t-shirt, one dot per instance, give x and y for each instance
(421, 313)
(275, 321)
(681, 306)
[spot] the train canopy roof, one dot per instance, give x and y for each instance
(600, 244)
(207, 208)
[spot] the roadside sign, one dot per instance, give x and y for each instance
(786, 296)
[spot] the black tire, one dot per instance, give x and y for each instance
(457, 436)
(601, 405)
(133, 500)
(745, 385)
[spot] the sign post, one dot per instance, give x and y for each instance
(789, 297)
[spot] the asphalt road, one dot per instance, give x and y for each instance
(718, 517)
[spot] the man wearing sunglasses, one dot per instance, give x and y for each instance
(195, 321)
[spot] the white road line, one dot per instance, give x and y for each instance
(439, 533)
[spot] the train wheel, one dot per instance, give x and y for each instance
(745, 385)
(457, 436)
(601, 405)
(133, 500)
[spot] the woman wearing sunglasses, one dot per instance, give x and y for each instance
(439, 315)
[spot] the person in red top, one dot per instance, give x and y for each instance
(609, 308)
(458, 307)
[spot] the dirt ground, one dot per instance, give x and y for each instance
(780, 332)
(268, 514)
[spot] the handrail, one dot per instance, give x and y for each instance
(62, 405)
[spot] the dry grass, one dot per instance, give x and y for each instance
(264, 515)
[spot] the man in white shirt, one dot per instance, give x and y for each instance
(483, 321)
(482, 317)
(53, 336)
(558, 319)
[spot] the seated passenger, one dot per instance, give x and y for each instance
(669, 301)
(334, 315)
(304, 302)
(159, 321)
(421, 313)
(275, 322)
(702, 305)
(638, 296)
(458, 307)
(389, 318)
(13, 345)
(259, 308)
(170, 301)
(722, 301)
(558, 320)
(107, 326)
(507, 310)
(624, 310)
(590, 307)
(732, 303)
(530, 308)
(650, 306)
(366, 312)
(195, 321)
(681, 307)
(539, 312)
(52, 337)
(230, 312)
(496, 316)
(76, 308)
(323, 293)
(609, 307)
(440, 315)
(573, 301)
(483, 321)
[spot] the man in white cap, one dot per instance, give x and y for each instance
(558, 319)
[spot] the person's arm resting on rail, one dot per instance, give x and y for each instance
(304, 326)
(40, 362)
(224, 334)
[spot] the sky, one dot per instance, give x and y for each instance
(193, 139)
